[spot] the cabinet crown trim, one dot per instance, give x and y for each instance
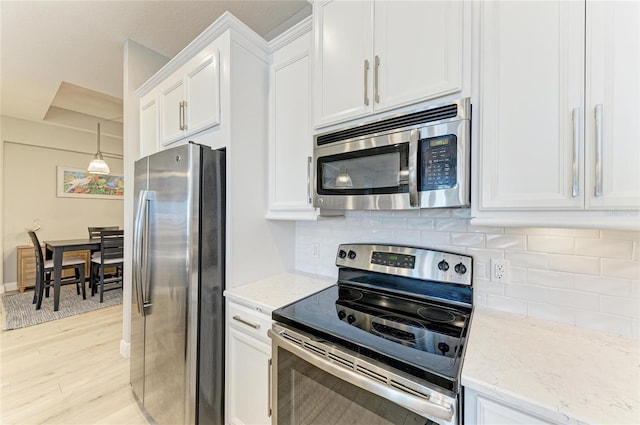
(291, 34)
(220, 26)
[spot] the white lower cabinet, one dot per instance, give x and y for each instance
(481, 410)
(248, 356)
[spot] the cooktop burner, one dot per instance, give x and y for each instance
(437, 314)
(413, 320)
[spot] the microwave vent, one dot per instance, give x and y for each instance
(422, 117)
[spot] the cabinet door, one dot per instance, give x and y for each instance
(248, 397)
(203, 95)
(531, 105)
(418, 51)
(613, 105)
(290, 142)
(492, 413)
(148, 127)
(343, 60)
(173, 112)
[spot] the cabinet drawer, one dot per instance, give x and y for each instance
(249, 321)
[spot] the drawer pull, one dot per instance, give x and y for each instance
(246, 322)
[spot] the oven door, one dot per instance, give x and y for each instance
(374, 173)
(317, 383)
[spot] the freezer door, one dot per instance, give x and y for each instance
(172, 227)
(137, 318)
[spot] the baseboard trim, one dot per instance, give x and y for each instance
(125, 348)
(7, 287)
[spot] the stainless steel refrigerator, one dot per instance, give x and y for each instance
(177, 319)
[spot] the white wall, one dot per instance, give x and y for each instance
(588, 278)
(139, 64)
(32, 151)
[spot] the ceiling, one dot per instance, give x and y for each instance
(62, 61)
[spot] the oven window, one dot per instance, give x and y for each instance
(382, 170)
(309, 395)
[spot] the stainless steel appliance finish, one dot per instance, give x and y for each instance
(177, 325)
(388, 337)
(419, 160)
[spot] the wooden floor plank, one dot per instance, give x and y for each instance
(68, 371)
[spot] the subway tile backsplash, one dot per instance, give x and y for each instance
(584, 277)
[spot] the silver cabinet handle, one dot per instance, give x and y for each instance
(246, 322)
(269, 366)
(366, 81)
(413, 166)
(599, 165)
(183, 115)
(575, 116)
(376, 72)
(309, 162)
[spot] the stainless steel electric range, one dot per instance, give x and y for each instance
(383, 345)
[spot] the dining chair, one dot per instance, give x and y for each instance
(110, 255)
(94, 233)
(44, 268)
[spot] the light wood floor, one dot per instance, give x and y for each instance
(67, 371)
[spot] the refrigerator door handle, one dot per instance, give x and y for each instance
(140, 266)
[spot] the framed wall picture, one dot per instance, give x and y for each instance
(76, 183)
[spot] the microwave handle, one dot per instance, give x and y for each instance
(414, 201)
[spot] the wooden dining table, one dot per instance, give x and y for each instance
(55, 251)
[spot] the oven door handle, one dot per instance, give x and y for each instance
(418, 405)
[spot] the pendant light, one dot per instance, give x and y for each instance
(98, 166)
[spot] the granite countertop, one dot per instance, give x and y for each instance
(269, 294)
(559, 372)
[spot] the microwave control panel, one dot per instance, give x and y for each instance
(438, 162)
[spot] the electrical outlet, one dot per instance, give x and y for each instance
(499, 270)
(315, 250)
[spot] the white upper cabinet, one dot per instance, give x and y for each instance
(418, 51)
(191, 98)
(531, 94)
(612, 170)
(558, 130)
(343, 59)
(148, 126)
(375, 56)
(290, 141)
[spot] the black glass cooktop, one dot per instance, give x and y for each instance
(421, 337)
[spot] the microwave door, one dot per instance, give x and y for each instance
(374, 178)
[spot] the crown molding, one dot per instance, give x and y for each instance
(291, 34)
(220, 26)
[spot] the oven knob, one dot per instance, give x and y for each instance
(351, 318)
(352, 255)
(443, 265)
(460, 268)
(341, 314)
(444, 347)
(342, 253)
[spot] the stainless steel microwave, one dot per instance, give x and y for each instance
(417, 160)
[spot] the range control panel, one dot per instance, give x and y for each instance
(418, 263)
(393, 260)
